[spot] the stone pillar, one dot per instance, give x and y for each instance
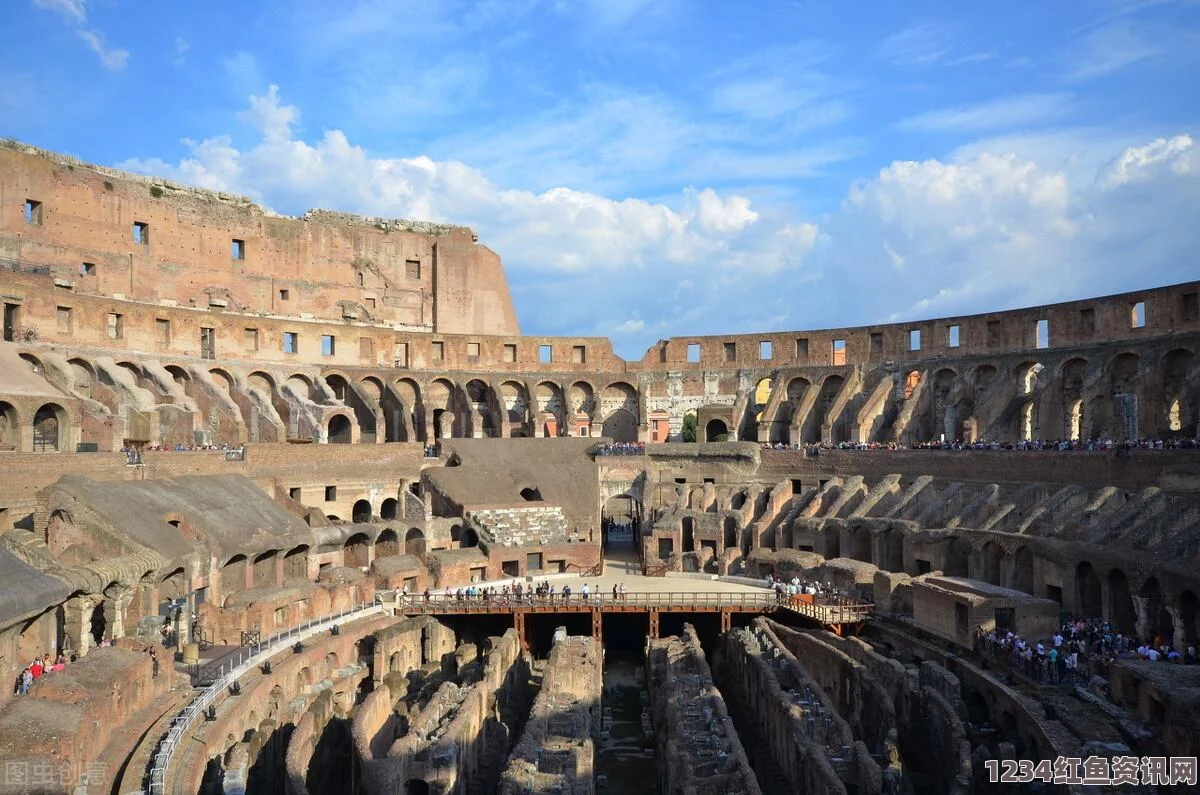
(114, 612)
(1142, 622)
(77, 613)
(1179, 634)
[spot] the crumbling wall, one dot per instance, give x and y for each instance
(699, 752)
(557, 750)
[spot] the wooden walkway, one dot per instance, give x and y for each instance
(838, 615)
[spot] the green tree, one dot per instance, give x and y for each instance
(688, 432)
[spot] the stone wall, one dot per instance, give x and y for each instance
(699, 752)
(557, 750)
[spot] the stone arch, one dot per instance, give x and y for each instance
(1124, 386)
(859, 541)
(1088, 591)
(340, 429)
(300, 385)
(1121, 611)
(581, 397)
(222, 379)
(956, 562)
(356, 552)
(173, 585)
(839, 426)
(1179, 402)
(620, 426)
(414, 542)
(1022, 571)
(911, 381)
(83, 376)
(295, 562)
(469, 537)
(264, 568)
(262, 382)
(1027, 374)
(439, 396)
(716, 430)
(389, 508)
(549, 397)
(1158, 619)
(989, 558)
(481, 398)
(10, 426)
(619, 411)
(893, 551)
(387, 544)
(514, 400)
(1189, 617)
(361, 512)
(50, 425)
(233, 574)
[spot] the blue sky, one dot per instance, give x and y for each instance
(655, 168)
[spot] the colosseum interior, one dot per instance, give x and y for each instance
(290, 505)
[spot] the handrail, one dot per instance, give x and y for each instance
(252, 656)
(841, 610)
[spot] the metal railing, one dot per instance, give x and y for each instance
(450, 603)
(250, 657)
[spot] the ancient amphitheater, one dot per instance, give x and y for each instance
(289, 505)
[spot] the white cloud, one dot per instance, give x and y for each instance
(980, 231)
(1110, 48)
(74, 12)
(1003, 113)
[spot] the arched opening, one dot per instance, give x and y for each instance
(531, 494)
(1159, 624)
(339, 429)
(619, 407)
(48, 425)
(839, 426)
(98, 624)
(957, 558)
(1075, 419)
(1125, 382)
(910, 383)
(716, 431)
(618, 522)
(264, 569)
(991, 555)
(1120, 602)
(414, 542)
(860, 543)
(893, 551)
(1189, 615)
(1088, 591)
(1174, 416)
(295, 563)
(731, 533)
(689, 534)
(9, 426)
(388, 508)
(233, 574)
(456, 533)
(620, 426)
(361, 512)
(415, 786)
(1023, 571)
(469, 537)
(387, 545)
(978, 713)
(1027, 376)
(356, 551)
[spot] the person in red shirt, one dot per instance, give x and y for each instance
(37, 669)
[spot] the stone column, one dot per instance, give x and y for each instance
(1179, 635)
(1142, 622)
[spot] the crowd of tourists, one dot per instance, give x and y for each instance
(1029, 445)
(821, 592)
(545, 591)
(621, 448)
(41, 666)
(1063, 658)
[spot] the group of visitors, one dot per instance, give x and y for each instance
(544, 591)
(1034, 445)
(621, 448)
(822, 592)
(41, 665)
(431, 451)
(1064, 657)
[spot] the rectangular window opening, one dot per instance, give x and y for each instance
(330, 493)
(412, 269)
(545, 354)
(839, 351)
(764, 350)
(439, 350)
(914, 340)
(1189, 306)
(327, 345)
(87, 269)
(876, 342)
(1042, 333)
(141, 233)
(579, 354)
(116, 326)
(291, 342)
(238, 249)
(995, 336)
(1137, 315)
(729, 351)
(400, 354)
(473, 349)
(294, 493)
(64, 319)
(693, 352)
(510, 353)
(208, 343)
(284, 295)
(33, 212)
(162, 330)
(802, 349)
(250, 339)
(952, 338)
(1087, 322)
